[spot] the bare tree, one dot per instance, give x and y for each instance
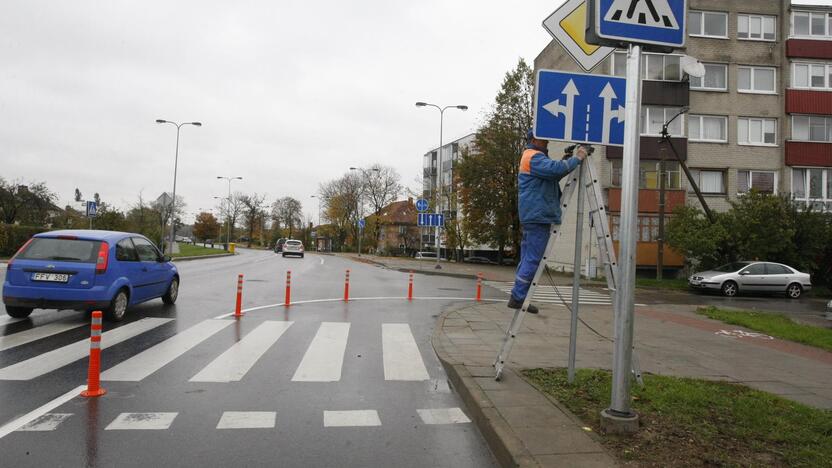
(340, 200)
(230, 210)
(288, 212)
(252, 212)
(168, 212)
(381, 186)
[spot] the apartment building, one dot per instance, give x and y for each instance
(760, 118)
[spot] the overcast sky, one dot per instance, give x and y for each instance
(291, 93)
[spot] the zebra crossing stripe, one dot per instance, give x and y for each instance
(401, 356)
(325, 356)
(34, 334)
(149, 361)
(55, 359)
(234, 363)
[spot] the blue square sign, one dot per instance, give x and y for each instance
(579, 108)
(656, 22)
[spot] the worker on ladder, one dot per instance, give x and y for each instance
(539, 205)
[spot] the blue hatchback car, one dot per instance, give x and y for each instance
(88, 270)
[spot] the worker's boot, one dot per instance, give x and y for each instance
(515, 304)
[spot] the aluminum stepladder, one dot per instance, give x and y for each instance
(603, 238)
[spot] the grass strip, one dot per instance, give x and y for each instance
(679, 284)
(692, 422)
(190, 250)
(777, 325)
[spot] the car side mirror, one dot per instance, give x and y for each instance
(166, 259)
(743, 273)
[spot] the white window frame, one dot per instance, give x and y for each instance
(703, 87)
(646, 123)
(702, 22)
(751, 173)
(827, 76)
(762, 27)
(826, 198)
(827, 131)
(827, 33)
(615, 56)
(762, 135)
(697, 175)
(753, 69)
(701, 118)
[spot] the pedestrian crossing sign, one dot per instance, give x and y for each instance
(648, 22)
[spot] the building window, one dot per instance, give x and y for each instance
(715, 79)
(761, 132)
(658, 67)
(648, 228)
(756, 27)
(654, 117)
(708, 128)
(708, 24)
(648, 174)
(812, 76)
(709, 181)
(812, 128)
(813, 187)
(761, 181)
(811, 24)
(618, 63)
(756, 80)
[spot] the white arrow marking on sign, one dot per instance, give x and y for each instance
(555, 107)
(652, 13)
(608, 94)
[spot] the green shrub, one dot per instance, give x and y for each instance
(12, 237)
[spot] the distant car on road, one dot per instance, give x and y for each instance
(480, 260)
(278, 246)
(426, 256)
(750, 277)
(293, 247)
(88, 270)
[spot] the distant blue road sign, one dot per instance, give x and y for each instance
(361, 223)
(92, 209)
(580, 108)
(431, 219)
(656, 22)
(422, 205)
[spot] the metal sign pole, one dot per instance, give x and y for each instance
(576, 281)
(624, 297)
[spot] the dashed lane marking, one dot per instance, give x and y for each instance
(443, 416)
(247, 420)
(142, 422)
(16, 424)
(47, 422)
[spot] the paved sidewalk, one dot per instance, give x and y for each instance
(527, 429)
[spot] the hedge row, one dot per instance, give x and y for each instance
(12, 237)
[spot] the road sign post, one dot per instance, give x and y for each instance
(361, 224)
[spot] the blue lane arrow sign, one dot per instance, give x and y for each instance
(431, 219)
(579, 108)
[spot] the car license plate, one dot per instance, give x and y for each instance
(51, 277)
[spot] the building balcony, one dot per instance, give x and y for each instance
(807, 101)
(648, 200)
(807, 153)
(809, 48)
(649, 149)
(665, 93)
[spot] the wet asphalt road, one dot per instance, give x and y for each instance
(297, 435)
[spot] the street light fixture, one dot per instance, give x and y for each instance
(438, 192)
(229, 179)
(175, 168)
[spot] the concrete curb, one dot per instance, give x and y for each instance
(507, 448)
(202, 257)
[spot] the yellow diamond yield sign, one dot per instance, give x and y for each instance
(568, 26)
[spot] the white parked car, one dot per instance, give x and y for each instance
(427, 256)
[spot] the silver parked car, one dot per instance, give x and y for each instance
(752, 277)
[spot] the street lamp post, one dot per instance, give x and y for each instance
(175, 168)
(228, 212)
(438, 194)
(361, 205)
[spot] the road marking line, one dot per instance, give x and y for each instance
(247, 420)
(353, 418)
(141, 422)
(235, 362)
(443, 416)
(401, 356)
(47, 362)
(16, 424)
(322, 260)
(34, 334)
(325, 356)
(150, 360)
(47, 422)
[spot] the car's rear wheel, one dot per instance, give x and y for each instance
(118, 306)
(729, 289)
(794, 291)
(172, 293)
(18, 312)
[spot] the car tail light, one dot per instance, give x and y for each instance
(19, 251)
(103, 258)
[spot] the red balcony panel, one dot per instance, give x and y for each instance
(648, 200)
(805, 101)
(809, 48)
(804, 153)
